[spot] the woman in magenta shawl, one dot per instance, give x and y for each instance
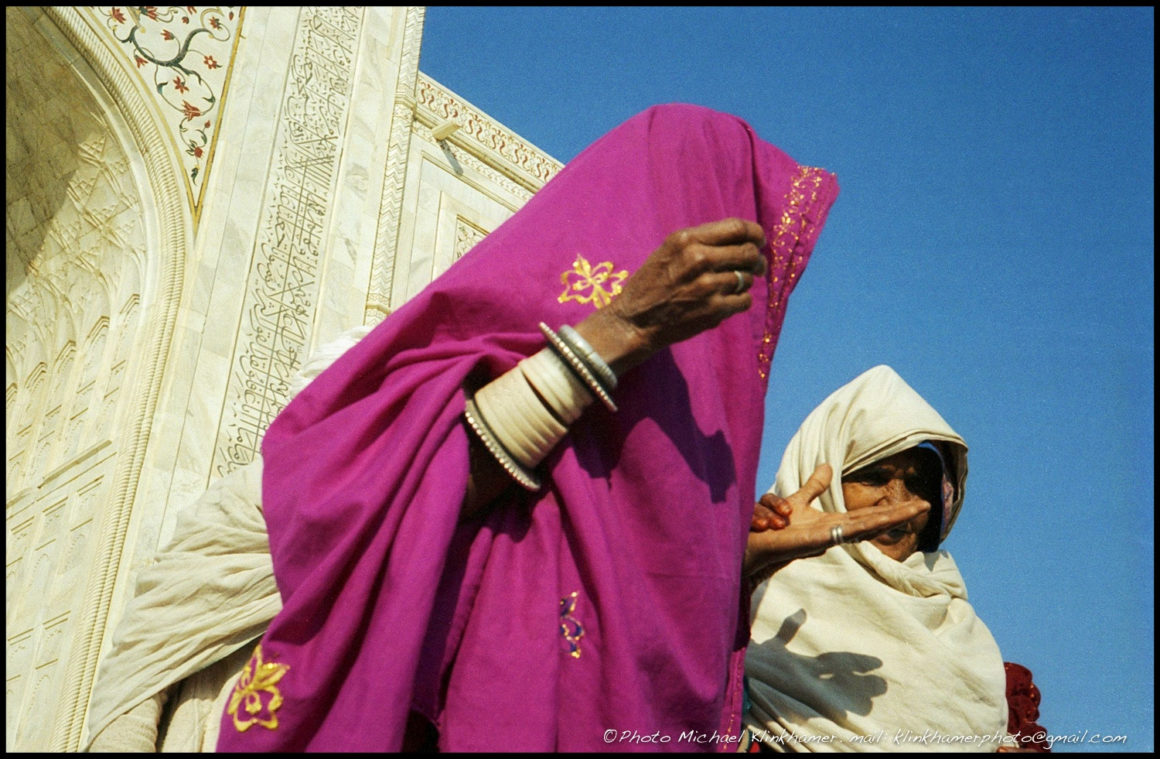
(602, 605)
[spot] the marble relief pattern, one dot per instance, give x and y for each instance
(486, 132)
(184, 53)
(398, 146)
(90, 248)
(76, 244)
(467, 236)
(282, 289)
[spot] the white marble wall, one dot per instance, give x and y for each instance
(76, 246)
(166, 275)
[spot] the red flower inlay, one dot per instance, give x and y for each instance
(210, 63)
(167, 35)
(117, 15)
(140, 61)
(197, 152)
(191, 111)
(213, 21)
(151, 11)
(179, 85)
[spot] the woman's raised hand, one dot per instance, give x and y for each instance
(692, 282)
(784, 529)
(697, 278)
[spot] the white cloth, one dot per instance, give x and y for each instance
(198, 607)
(852, 650)
(197, 704)
(208, 594)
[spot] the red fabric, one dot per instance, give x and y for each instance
(1023, 709)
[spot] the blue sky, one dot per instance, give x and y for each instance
(993, 242)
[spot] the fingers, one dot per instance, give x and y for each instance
(728, 258)
(774, 502)
(865, 524)
(735, 281)
(771, 512)
(817, 484)
(813, 535)
(764, 519)
(727, 232)
(746, 258)
(722, 246)
(697, 278)
(775, 512)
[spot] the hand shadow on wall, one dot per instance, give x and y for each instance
(829, 673)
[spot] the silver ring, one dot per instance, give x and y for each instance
(836, 534)
(740, 283)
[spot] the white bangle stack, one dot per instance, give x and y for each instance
(475, 420)
(565, 395)
(510, 407)
(522, 414)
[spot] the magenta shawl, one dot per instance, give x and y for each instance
(603, 612)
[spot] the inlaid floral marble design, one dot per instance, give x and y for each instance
(184, 54)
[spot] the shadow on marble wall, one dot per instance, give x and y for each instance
(49, 122)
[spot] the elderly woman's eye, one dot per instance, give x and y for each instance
(871, 477)
(926, 487)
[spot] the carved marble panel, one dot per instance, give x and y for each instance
(76, 239)
(495, 143)
(282, 286)
(467, 236)
(395, 174)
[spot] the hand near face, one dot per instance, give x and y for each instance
(911, 475)
(784, 529)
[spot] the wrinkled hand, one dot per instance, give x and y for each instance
(784, 529)
(684, 287)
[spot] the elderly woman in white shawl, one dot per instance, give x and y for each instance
(872, 645)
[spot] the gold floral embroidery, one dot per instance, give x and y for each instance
(570, 627)
(591, 284)
(257, 678)
(790, 228)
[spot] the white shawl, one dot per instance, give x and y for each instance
(852, 650)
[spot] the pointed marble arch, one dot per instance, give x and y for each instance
(168, 223)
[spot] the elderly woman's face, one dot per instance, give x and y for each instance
(913, 474)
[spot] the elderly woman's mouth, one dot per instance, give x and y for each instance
(896, 534)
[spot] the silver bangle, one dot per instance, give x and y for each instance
(589, 355)
(577, 365)
(479, 426)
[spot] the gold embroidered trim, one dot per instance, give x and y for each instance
(570, 627)
(803, 193)
(257, 677)
(591, 284)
